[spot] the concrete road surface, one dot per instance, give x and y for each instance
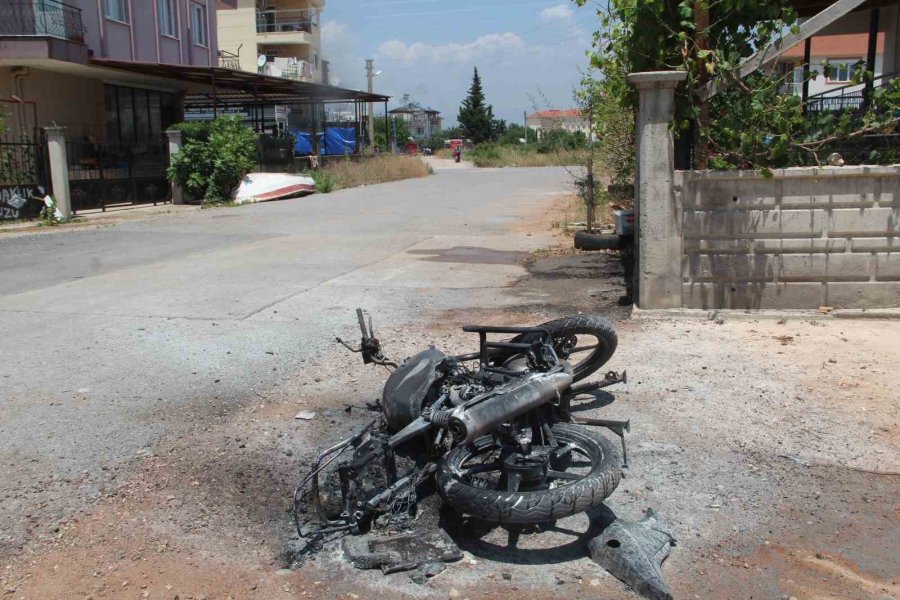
(114, 337)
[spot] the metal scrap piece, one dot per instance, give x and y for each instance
(402, 552)
(634, 553)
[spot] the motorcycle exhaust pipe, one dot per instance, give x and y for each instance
(486, 416)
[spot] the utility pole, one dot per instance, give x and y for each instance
(393, 142)
(525, 123)
(370, 73)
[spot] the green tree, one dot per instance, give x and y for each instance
(454, 133)
(498, 128)
(754, 123)
(475, 117)
(394, 124)
(516, 132)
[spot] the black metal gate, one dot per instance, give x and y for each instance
(23, 161)
(109, 174)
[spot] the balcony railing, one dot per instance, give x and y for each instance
(289, 68)
(41, 18)
(229, 60)
(850, 96)
(288, 20)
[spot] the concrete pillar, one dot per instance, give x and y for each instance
(658, 281)
(59, 169)
(176, 140)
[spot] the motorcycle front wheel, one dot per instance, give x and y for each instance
(574, 476)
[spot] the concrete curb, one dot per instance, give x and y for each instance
(95, 219)
(639, 314)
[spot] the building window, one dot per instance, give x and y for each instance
(198, 24)
(116, 10)
(168, 22)
(138, 115)
(841, 70)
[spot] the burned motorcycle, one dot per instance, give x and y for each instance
(492, 430)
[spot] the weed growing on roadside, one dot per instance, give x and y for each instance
(324, 182)
(50, 214)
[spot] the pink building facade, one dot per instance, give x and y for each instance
(54, 54)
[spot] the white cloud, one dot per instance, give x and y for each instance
(560, 12)
(485, 45)
(335, 33)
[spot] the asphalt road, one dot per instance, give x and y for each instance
(115, 337)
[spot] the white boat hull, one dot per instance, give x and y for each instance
(260, 187)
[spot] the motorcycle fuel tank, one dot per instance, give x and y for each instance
(408, 386)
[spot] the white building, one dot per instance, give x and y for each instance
(553, 119)
(281, 38)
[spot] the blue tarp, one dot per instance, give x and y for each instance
(339, 140)
(303, 146)
(335, 141)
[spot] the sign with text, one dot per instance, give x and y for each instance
(17, 202)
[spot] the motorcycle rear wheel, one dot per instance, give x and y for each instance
(468, 487)
(586, 341)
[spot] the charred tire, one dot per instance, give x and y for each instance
(593, 325)
(542, 506)
(597, 241)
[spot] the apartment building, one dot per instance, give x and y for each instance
(71, 59)
(113, 75)
(281, 38)
(424, 122)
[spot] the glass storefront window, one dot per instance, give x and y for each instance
(155, 114)
(126, 115)
(138, 115)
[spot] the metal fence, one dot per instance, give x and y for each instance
(287, 20)
(851, 96)
(106, 174)
(229, 60)
(23, 161)
(41, 18)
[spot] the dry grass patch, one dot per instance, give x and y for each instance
(493, 155)
(377, 169)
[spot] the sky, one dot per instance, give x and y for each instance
(529, 53)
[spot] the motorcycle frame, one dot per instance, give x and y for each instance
(350, 519)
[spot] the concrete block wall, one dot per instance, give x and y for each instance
(804, 238)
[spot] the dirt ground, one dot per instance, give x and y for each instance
(770, 447)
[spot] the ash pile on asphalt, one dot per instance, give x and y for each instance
(407, 538)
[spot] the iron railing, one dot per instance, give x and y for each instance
(287, 20)
(301, 71)
(41, 18)
(103, 174)
(229, 60)
(852, 96)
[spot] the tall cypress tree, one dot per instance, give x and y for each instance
(475, 117)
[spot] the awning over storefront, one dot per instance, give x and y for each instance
(242, 87)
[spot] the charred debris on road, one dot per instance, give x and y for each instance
(489, 435)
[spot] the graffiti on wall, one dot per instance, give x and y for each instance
(18, 202)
